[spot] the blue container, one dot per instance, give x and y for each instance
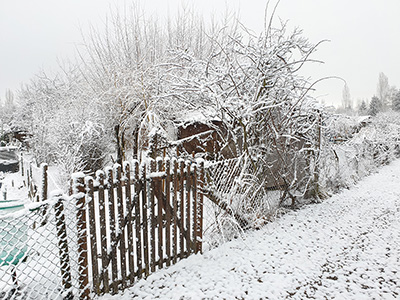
(13, 235)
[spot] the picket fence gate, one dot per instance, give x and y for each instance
(130, 224)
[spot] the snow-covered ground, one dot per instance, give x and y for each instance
(348, 247)
(13, 186)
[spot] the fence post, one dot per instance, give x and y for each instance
(199, 241)
(145, 220)
(22, 164)
(187, 208)
(63, 251)
(175, 210)
(79, 195)
(159, 195)
(129, 209)
(92, 234)
(138, 231)
(103, 232)
(44, 183)
(181, 207)
(152, 217)
(167, 209)
(121, 225)
(113, 246)
(194, 209)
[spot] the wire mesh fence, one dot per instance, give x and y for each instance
(236, 198)
(38, 250)
(114, 229)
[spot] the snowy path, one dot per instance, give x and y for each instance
(348, 247)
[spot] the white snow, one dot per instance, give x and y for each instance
(13, 185)
(344, 248)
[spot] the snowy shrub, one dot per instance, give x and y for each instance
(376, 144)
(63, 131)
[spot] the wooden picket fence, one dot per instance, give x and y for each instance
(132, 223)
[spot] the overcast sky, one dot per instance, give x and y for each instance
(364, 36)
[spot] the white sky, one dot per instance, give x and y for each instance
(364, 34)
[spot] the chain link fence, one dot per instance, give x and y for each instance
(236, 199)
(38, 250)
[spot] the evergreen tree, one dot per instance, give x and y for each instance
(396, 101)
(362, 110)
(375, 106)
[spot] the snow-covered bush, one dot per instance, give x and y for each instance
(63, 131)
(371, 146)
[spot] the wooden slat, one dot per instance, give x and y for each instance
(138, 224)
(187, 208)
(103, 232)
(181, 207)
(122, 230)
(152, 218)
(145, 222)
(200, 184)
(92, 234)
(113, 244)
(129, 229)
(168, 211)
(175, 211)
(158, 192)
(194, 214)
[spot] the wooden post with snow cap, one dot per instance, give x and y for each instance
(187, 208)
(63, 252)
(167, 209)
(158, 193)
(44, 183)
(78, 189)
(152, 217)
(138, 226)
(22, 164)
(175, 210)
(145, 220)
(199, 225)
(103, 231)
(194, 209)
(92, 234)
(181, 207)
(129, 210)
(121, 225)
(43, 190)
(112, 228)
